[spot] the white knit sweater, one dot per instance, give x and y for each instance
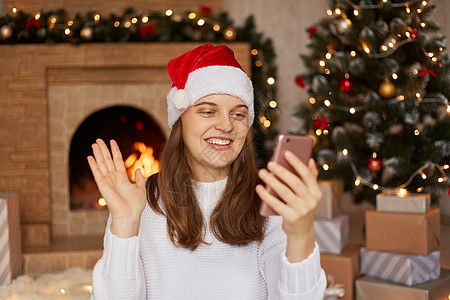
(149, 266)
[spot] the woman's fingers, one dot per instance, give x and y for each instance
(286, 176)
(279, 187)
(95, 169)
(117, 156)
(275, 203)
(106, 154)
(302, 170)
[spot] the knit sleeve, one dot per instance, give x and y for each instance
(119, 272)
(285, 280)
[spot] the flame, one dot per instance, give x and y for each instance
(143, 160)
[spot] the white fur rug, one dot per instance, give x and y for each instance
(73, 284)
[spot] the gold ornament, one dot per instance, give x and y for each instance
(87, 33)
(314, 137)
(387, 89)
(6, 32)
(229, 34)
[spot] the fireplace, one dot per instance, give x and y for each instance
(140, 140)
(49, 92)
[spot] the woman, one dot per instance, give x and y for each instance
(193, 230)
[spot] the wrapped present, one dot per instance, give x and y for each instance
(10, 245)
(332, 235)
(403, 233)
(333, 290)
(400, 268)
(408, 203)
(368, 288)
(343, 269)
(329, 204)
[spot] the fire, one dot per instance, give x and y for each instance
(141, 159)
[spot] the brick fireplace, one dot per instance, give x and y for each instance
(46, 93)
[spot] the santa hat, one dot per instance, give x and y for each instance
(203, 71)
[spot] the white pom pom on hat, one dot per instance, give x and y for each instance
(203, 71)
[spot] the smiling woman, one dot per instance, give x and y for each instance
(200, 214)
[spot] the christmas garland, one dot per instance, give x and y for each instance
(55, 26)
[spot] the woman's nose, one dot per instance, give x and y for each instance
(224, 123)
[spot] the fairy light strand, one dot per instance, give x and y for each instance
(375, 186)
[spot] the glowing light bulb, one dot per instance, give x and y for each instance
(352, 53)
(424, 3)
(394, 76)
(325, 167)
(391, 44)
(328, 55)
(367, 50)
(356, 12)
(312, 100)
(448, 108)
(322, 63)
(37, 16)
(416, 132)
(423, 24)
(216, 27)
(96, 17)
(375, 186)
(102, 202)
(14, 10)
(418, 95)
(344, 151)
(258, 63)
(273, 104)
(430, 54)
(352, 110)
(70, 23)
(327, 102)
(254, 52)
(127, 24)
(445, 167)
(201, 22)
(62, 291)
(116, 24)
(169, 12)
(329, 12)
(402, 192)
(262, 119)
(337, 11)
(420, 189)
(419, 10)
(357, 181)
(67, 31)
(318, 131)
(144, 20)
(270, 80)
(408, 10)
(325, 132)
(192, 15)
(434, 59)
(384, 47)
(134, 20)
(423, 175)
(440, 179)
(400, 98)
(267, 123)
(327, 71)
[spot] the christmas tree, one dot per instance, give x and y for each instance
(379, 81)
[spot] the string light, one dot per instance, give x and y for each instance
(273, 104)
(201, 22)
(344, 151)
(169, 12)
(337, 11)
(400, 98)
(144, 19)
(402, 192)
(96, 17)
(329, 12)
(14, 10)
(216, 27)
(37, 16)
(416, 132)
(312, 100)
(356, 12)
(101, 202)
(328, 55)
(192, 15)
(443, 178)
(254, 52)
(134, 20)
(322, 63)
(352, 53)
(327, 102)
(326, 167)
(270, 80)
(352, 110)
(394, 76)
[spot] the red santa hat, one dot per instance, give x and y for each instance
(203, 71)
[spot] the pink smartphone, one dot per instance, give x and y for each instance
(301, 146)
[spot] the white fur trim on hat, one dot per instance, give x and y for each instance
(207, 81)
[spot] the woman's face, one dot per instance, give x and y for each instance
(214, 132)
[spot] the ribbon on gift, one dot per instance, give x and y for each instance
(334, 289)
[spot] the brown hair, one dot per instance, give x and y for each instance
(235, 220)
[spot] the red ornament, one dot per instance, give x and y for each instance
(424, 72)
(413, 33)
(374, 164)
(321, 123)
(311, 31)
(32, 22)
(300, 81)
(346, 85)
(205, 9)
(139, 126)
(146, 30)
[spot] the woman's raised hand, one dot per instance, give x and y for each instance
(125, 200)
(301, 194)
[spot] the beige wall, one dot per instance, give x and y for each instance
(284, 21)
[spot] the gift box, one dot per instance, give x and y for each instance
(329, 205)
(368, 288)
(400, 268)
(408, 203)
(403, 233)
(332, 235)
(10, 245)
(343, 267)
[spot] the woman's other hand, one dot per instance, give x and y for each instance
(301, 194)
(125, 200)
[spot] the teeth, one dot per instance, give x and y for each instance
(219, 142)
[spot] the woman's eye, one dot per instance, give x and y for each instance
(207, 113)
(239, 116)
